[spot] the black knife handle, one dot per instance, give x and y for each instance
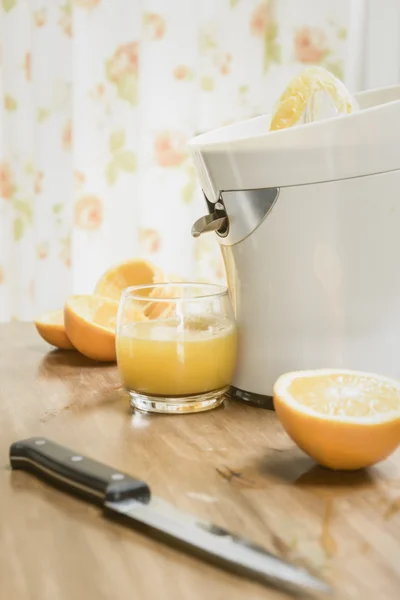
(81, 475)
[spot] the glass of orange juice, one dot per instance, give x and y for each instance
(176, 346)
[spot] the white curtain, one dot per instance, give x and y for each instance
(98, 99)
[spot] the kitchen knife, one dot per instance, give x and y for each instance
(123, 496)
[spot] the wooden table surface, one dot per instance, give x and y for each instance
(234, 466)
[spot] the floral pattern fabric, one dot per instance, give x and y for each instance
(98, 101)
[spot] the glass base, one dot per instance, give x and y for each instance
(177, 405)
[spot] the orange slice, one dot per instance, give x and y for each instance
(51, 327)
(343, 419)
(90, 324)
(126, 274)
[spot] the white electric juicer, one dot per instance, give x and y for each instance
(308, 219)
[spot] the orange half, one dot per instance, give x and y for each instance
(160, 307)
(90, 324)
(343, 419)
(299, 92)
(51, 328)
(126, 274)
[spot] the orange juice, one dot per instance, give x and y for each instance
(172, 358)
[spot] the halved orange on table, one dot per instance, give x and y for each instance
(343, 419)
(126, 274)
(51, 328)
(160, 307)
(90, 323)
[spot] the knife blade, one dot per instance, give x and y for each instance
(130, 499)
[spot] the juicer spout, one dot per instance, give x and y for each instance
(208, 223)
(215, 221)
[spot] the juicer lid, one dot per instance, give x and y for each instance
(246, 155)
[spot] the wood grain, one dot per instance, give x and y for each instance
(234, 466)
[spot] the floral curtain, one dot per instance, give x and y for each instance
(98, 99)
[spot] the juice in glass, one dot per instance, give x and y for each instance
(181, 361)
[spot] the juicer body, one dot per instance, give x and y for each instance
(317, 283)
(308, 220)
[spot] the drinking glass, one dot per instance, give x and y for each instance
(176, 346)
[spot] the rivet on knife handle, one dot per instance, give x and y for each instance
(76, 472)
